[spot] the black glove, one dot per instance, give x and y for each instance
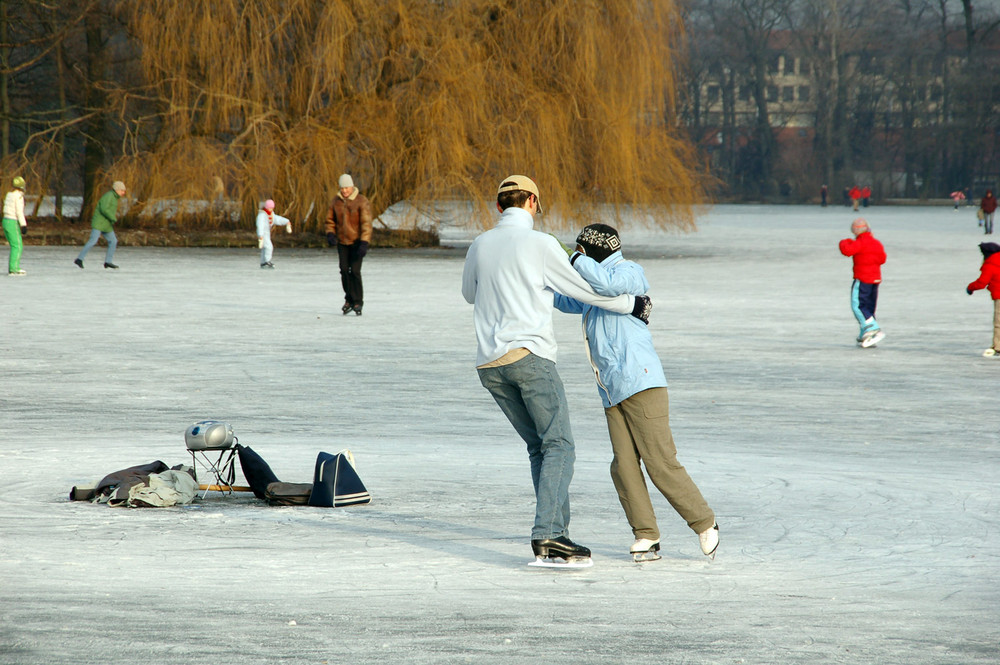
(969, 291)
(643, 307)
(361, 248)
(24, 230)
(331, 239)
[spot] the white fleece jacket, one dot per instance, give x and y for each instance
(511, 273)
(13, 206)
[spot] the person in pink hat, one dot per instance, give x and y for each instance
(266, 220)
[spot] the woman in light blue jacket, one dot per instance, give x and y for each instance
(633, 388)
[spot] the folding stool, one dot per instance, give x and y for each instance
(204, 439)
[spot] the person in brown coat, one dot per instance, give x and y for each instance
(988, 205)
(349, 227)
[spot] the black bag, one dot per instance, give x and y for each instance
(256, 471)
(288, 494)
(336, 483)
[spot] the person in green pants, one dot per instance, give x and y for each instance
(13, 222)
(102, 225)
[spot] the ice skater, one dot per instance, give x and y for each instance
(958, 196)
(102, 225)
(987, 207)
(349, 228)
(511, 273)
(633, 388)
(989, 278)
(868, 255)
(266, 219)
(14, 224)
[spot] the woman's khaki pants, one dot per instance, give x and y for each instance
(640, 430)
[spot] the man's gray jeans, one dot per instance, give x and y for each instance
(531, 395)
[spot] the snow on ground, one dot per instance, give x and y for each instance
(856, 490)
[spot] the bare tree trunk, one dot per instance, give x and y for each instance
(765, 136)
(833, 94)
(729, 123)
(970, 26)
(59, 152)
(96, 100)
(4, 78)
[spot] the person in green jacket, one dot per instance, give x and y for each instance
(102, 225)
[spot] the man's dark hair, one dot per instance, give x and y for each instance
(512, 199)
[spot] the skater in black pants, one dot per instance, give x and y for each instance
(349, 227)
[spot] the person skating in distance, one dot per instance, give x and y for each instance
(989, 278)
(265, 221)
(14, 224)
(102, 225)
(868, 256)
(349, 229)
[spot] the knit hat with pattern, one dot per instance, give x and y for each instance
(599, 241)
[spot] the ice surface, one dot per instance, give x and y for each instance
(856, 490)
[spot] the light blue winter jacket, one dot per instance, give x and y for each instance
(620, 346)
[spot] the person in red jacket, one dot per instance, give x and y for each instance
(989, 278)
(988, 205)
(869, 255)
(855, 195)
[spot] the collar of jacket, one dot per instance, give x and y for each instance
(353, 195)
(517, 217)
(612, 259)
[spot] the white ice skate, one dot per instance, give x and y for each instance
(644, 549)
(990, 353)
(872, 338)
(709, 541)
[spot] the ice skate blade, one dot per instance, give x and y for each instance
(642, 557)
(555, 562)
(873, 340)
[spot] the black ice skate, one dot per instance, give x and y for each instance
(644, 549)
(560, 552)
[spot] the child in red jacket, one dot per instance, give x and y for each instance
(989, 278)
(869, 255)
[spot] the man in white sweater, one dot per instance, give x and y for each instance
(511, 273)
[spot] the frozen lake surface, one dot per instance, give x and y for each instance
(856, 490)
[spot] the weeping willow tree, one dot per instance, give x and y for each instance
(420, 100)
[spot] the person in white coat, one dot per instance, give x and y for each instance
(266, 219)
(13, 224)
